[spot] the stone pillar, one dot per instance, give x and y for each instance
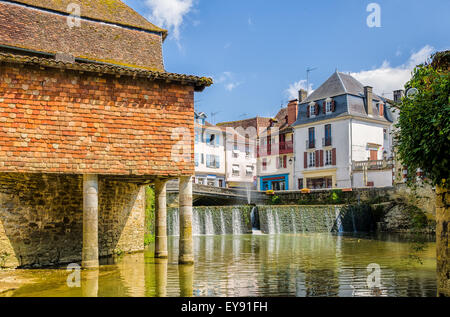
(443, 240)
(186, 255)
(160, 219)
(90, 222)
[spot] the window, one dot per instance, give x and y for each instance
(197, 136)
(196, 159)
(373, 155)
(203, 159)
(212, 161)
(327, 135)
(312, 159)
(211, 139)
(249, 171)
(328, 157)
(311, 138)
(300, 183)
(328, 106)
(236, 170)
(385, 133)
(312, 109)
(264, 165)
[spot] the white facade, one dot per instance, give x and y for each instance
(210, 162)
(351, 140)
(240, 155)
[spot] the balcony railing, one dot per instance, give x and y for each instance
(327, 141)
(372, 165)
(286, 147)
(310, 144)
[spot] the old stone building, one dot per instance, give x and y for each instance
(88, 116)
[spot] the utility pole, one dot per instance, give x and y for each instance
(308, 71)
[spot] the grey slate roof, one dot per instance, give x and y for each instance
(348, 95)
(338, 84)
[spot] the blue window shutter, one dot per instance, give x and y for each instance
(218, 139)
(218, 162)
(208, 160)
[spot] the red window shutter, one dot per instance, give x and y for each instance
(333, 157)
(317, 109)
(324, 107)
(285, 161)
(333, 106)
(306, 160)
(381, 110)
(317, 158)
(308, 111)
(321, 158)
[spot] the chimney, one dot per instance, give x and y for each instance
(398, 95)
(368, 93)
(292, 111)
(302, 95)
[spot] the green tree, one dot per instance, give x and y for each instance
(423, 142)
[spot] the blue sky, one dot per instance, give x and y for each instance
(257, 51)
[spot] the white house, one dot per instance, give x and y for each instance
(209, 153)
(240, 155)
(342, 136)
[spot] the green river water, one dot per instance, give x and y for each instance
(314, 264)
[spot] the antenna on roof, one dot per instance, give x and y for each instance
(213, 115)
(308, 71)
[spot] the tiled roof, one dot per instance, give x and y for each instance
(41, 30)
(112, 11)
(198, 82)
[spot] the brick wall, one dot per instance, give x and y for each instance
(41, 219)
(69, 122)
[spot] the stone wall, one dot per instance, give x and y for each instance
(41, 218)
(322, 197)
(443, 240)
(54, 121)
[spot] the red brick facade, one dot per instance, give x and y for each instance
(55, 121)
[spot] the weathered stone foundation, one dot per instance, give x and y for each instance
(41, 218)
(443, 240)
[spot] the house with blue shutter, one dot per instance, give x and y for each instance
(342, 136)
(209, 153)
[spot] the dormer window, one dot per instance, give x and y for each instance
(328, 105)
(312, 109)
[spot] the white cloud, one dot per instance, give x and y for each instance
(227, 80)
(386, 78)
(169, 13)
(293, 89)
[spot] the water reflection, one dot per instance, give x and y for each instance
(89, 283)
(264, 265)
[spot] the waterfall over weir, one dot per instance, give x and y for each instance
(274, 219)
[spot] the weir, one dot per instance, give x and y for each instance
(240, 220)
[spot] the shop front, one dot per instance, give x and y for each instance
(275, 182)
